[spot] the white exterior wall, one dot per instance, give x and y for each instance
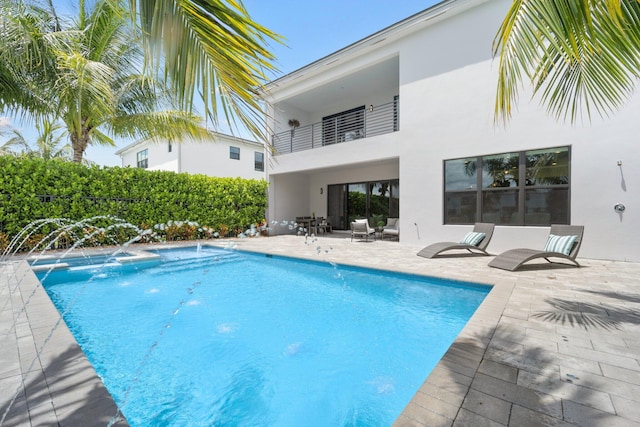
(450, 110)
(288, 198)
(162, 159)
(288, 112)
(447, 89)
(208, 158)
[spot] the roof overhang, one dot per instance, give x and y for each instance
(420, 20)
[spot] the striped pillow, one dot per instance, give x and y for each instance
(473, 238)
(560, 244)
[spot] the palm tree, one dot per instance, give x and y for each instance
(87, 73)
(579, 55)
(8, 147)
(50, 143)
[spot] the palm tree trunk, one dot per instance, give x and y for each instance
(79, 144)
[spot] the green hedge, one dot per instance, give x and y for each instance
(32, 189)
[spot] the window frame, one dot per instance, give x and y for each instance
(234, 152)
(142, 159)
(258, 164)
(523, 189)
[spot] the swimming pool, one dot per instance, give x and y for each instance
(216, 337)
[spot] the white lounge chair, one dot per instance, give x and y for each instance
(360, 228)
(392, 228)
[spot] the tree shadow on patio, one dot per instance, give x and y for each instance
(66, 392)
(588, 315)
(544, 370)
(617, 295)
(512, 381)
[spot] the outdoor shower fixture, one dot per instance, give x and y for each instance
(620, 207)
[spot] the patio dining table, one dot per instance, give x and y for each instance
(307, 223)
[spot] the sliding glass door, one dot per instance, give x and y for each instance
(375, 200)
(337, 206)
(342, 127)
(379, 193)
(357, 202)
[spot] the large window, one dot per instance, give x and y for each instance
(259, 161)
(142, 159)
(517, 188)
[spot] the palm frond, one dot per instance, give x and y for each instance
(14, 142)
(215, 47)
(100, 138)
(172, 125)
(24, 64)
(580, 56)
(85, 90)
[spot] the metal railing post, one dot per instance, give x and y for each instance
(364, 127)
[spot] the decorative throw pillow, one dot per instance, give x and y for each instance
(560, 244)
(473, 238)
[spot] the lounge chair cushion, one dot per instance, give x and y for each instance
(472, 238)
(560, 244)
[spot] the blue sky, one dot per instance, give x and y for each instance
(312, 30)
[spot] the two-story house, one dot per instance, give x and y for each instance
(224, 156)
(401, 124)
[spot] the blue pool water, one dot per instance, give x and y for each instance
(222, 338)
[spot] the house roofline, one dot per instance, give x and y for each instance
(428, 14)
(216, 135)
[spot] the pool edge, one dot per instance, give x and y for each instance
(52, 381)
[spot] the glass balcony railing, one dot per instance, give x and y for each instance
(339, 128)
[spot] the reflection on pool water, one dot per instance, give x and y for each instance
(209, 336)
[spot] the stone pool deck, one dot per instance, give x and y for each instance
(548, 346)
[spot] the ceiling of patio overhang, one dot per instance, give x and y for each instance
(344, 167)
(381, 77)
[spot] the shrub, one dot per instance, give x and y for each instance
(32, 189)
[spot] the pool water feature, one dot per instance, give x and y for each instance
(42, 262)
(218, 337)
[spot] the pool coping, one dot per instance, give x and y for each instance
(44, 375)
(505, 368)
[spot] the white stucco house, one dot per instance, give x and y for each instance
(223, 156)
(401, 123)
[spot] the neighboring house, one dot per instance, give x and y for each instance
(224, 156)
(401, 124)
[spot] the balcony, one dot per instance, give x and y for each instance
(348, 126)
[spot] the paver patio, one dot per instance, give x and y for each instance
(553, 346)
